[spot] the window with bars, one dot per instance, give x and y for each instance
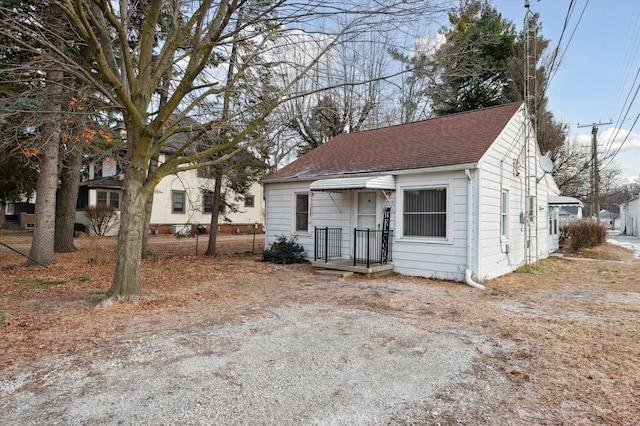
(425, 212)
(302, 212)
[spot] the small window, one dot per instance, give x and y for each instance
(108, 198)
(249, 200)
(177, 201)
(114, 200)
(504, 214)
(302, 212)
(425, 212)
(102, 198)
(207, 202)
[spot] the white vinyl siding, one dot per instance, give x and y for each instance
(502, 168)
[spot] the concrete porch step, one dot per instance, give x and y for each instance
(346, 265)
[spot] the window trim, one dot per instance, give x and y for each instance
(108, 200)
(449, 214)
(206, 194)
(295, 213)
(253, 201)
(173, 202)
(504, 215)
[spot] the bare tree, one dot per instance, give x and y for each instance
(195, 41)
(350, 79)
(42, 245)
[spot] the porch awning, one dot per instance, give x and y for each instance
(558, 201)
(387, 182)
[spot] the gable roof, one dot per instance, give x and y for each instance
(461, 138)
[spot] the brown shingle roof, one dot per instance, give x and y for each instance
(449, 140)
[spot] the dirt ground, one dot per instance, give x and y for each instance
(565, 331)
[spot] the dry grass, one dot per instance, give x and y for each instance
(571, 325)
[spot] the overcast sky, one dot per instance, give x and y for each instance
(596, 80)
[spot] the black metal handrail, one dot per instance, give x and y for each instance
(327, 243)
(372, 246)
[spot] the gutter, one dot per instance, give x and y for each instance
(299, 178)
(468, 272)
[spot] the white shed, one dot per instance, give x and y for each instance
(630, 217)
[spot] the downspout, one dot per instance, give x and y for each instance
(468, 272)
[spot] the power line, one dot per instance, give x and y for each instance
(557, 58)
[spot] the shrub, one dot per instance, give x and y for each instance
(102, 218)
(284, 251)
(79, 227)
(581, 234)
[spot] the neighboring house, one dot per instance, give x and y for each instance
(567, 208)
(630, 217)
(181, 202)
(21, 215)
(463, 197)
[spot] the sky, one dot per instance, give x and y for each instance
(596, 79)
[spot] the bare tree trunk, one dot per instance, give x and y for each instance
(66, 201)
(153, 167)
(42, 243)
(3, 218)
(215, 213)
(127, 283)
(44, 232)
(148, 208)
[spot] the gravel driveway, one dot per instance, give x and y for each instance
(299, 364)
(231, 341)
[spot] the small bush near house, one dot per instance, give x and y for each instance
(284, 251)
(581, 234)
(102, 218)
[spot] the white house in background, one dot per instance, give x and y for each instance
(630, 217)
(181, 202)
(462, 197)
(568, 208)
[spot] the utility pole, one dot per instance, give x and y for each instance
(595, 170)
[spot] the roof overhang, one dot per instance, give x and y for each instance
(559, 201)
(385, 182)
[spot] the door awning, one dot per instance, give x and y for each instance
(560, 201)
(386, 182)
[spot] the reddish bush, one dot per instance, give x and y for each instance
(580, 234)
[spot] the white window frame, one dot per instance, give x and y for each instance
(504, 215)
(184, 202)
(295, 213)
(449, 214)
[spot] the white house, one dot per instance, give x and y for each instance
(461, 197)
(630, 217)
(181, 202)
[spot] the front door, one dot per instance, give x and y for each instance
(366, 210)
